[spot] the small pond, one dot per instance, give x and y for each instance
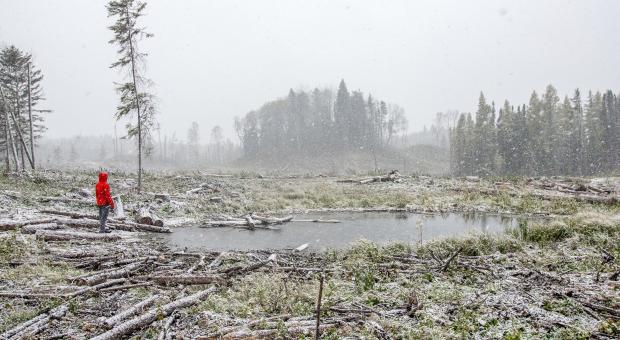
(381, 228)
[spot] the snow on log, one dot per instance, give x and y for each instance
(251, 221)
(182, 279)
(34, 326)
(131, 311)
(92, 221)
(393, 176)
(271, 220)
(49, 235)
(142, 227)
(31, 229)
(110, 274)
(130, 326)
(12, 225)
(144, 216)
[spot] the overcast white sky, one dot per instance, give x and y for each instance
(213, 60)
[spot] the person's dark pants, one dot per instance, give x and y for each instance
(103, 216)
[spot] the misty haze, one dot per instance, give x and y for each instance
(309, 169)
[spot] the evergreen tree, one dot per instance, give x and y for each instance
(593, 129)
(577, 137)
(547, 138)
(342, 113)
(134, 97)
(534, 121)
(551, 139)
(20, 93)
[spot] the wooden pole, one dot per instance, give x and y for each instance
(318, 307)
(32, 163)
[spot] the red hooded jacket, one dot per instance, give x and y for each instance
(102, 191)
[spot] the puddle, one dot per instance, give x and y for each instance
(380, 228)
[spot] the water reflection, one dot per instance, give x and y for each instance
(377, 227)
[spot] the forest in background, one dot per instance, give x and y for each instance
(333, 131)
(548, 136)
(318, 122)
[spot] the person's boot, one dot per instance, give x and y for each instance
(105, 231)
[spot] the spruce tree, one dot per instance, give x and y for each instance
(134, 97)
(342, 114)
(21, 92)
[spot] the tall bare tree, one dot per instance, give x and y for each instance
(134, 97)
(20, 92)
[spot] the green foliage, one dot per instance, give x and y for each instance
(563, 306)
(11, 248)
(471, 246)
(549, 136)
(543, 233)
(610, 327)
(311, 123)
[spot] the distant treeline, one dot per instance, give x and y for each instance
(547, 137)
(310, 123)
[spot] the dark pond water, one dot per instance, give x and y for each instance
(381, 228)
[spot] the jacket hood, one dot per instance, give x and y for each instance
(103, 177)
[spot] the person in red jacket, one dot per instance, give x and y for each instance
(104, 200)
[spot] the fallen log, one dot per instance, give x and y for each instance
(217, 261)
(237, 224)
(164, 333)
(237, 270)
(31, 229)
(74, 254)
(12, 225)
(316, 221)
(271, 220)
(202, 187)
(268, 333)
(251, 222)
(69, 214)
(129, 286)
(130, 326)
(34, 326)
(182, 279)
(393, 176)
(49, 235)
(131, 311)
(142, 227)
(109, 274)
(54, 295)
(65, 200)
(17, 329)
(85, 220)
(226, 223)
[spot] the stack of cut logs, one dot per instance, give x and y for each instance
(60, 226)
